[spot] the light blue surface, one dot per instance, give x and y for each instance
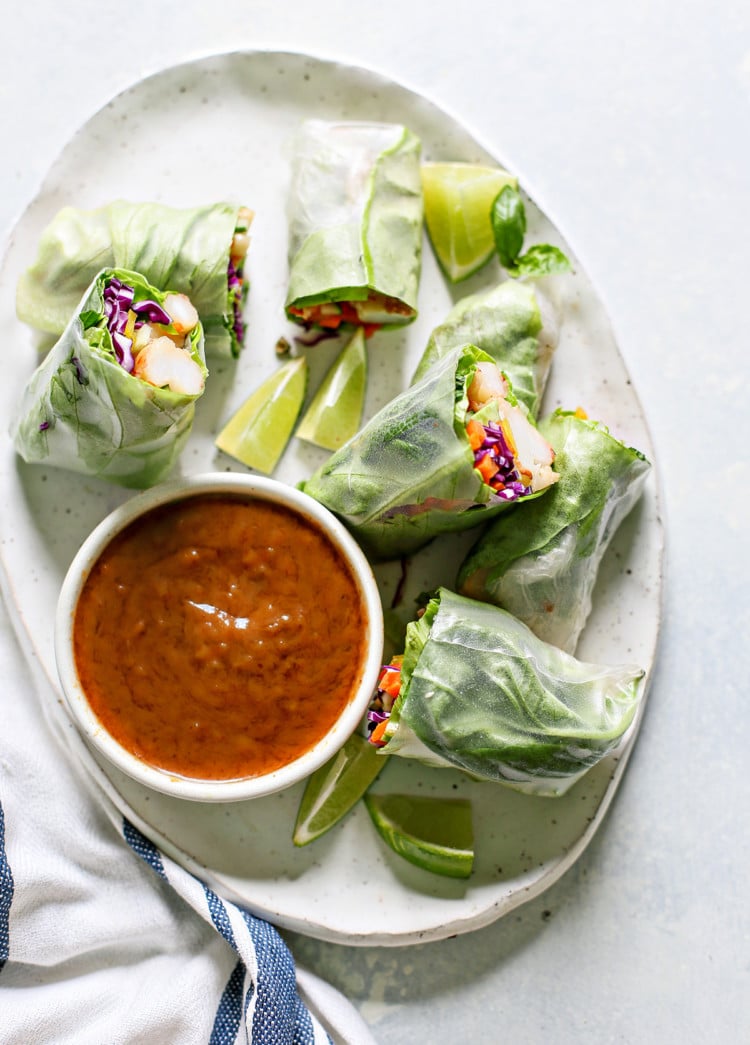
(630, 128)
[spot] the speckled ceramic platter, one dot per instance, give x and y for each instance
(232, 116)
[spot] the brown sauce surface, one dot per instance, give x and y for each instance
(219, 638)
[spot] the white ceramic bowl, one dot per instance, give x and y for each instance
(253, 487)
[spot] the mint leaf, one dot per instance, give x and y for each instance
(508, 217)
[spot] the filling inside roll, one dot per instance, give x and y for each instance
(151, 341)
(235, 272)
(370, 313)
(509, 453)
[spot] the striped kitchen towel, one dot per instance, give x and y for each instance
(104, 940)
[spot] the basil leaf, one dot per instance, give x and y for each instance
(540, 260)
(508, 217)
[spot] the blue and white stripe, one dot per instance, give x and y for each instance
(260, 1003)
(6, 895)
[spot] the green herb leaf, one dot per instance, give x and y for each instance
(508, 217)
(89, 318)
(540, 260)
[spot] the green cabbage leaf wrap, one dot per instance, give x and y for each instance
(355, 217)
(81, 410)
(409, 474)
(481, 693)
(185, 250)
(514, 323)
(544, 571)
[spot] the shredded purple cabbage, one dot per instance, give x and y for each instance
(118, 300)
(235, 283)
(314, 335)
(81, 376)
(153, 312)
(506, 483)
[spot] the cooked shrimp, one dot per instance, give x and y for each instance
(181, 311)
(163, 364)
(486, 384)
(241, 239)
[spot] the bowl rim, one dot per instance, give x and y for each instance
(173, 491)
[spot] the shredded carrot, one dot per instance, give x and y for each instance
(580, 412)
(475, 432)
(330, 322)
(390, 681)
(487, 468)
(376, 737)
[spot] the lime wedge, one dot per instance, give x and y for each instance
(458, 198)
(333, 789)
(258, 432)
(336, 410)
(433, 833)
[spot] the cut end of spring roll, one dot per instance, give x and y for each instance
(544, 572)
(115, 396)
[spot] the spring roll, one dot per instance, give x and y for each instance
(355, 225)
(447, 454)
(512, 322)
(198, 251)
(544, 571)
(115, 397)
(476, 690)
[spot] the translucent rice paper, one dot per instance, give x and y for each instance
(544, 571)
(355, 215)
(82, 411)
(184, 250)
(409, 474)
(512, 322)
(480, 692)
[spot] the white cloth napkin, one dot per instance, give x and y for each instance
(104, 939)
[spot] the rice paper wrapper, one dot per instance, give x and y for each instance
(355, 215)
(512, 322)
(82, 411)
(544, 571)
(185, 250)
(481, 693)
(409, 474)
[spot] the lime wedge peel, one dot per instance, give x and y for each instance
(257, 434)
(458, 198)
(336, 787)
(435, 834)
(335, 412)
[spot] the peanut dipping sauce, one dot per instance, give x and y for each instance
(219, 637)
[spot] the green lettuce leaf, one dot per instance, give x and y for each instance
(544, 571)
(82, 411)
(185, 250)
(481, 693)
